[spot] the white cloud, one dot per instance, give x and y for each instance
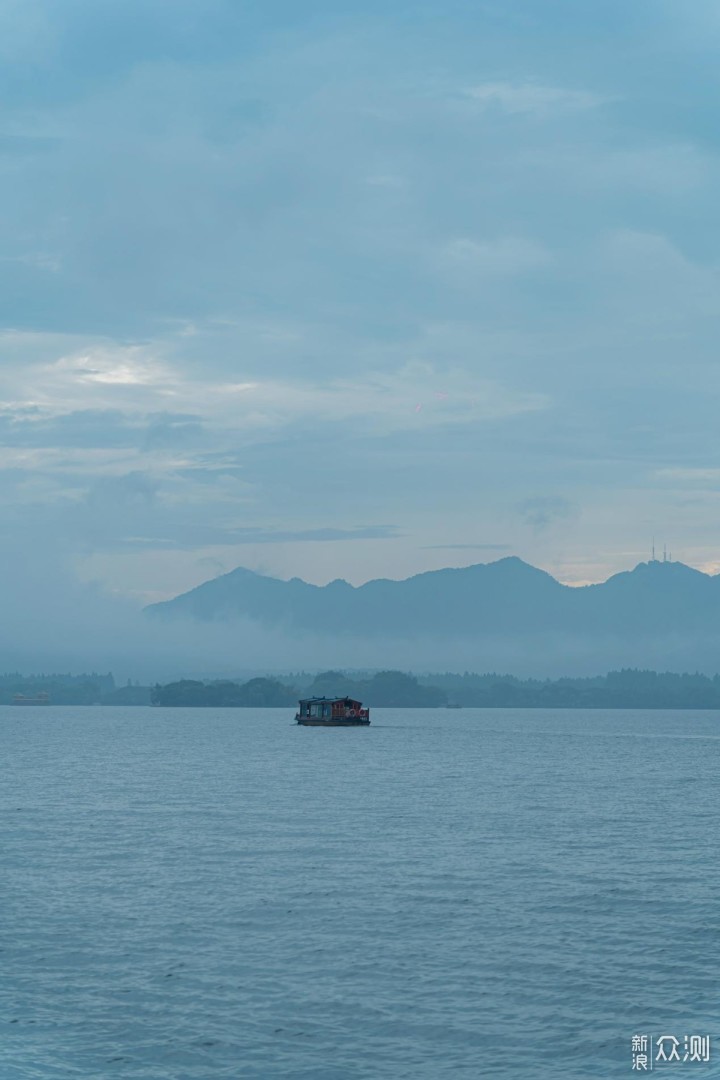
(140, 380)
(112, 366)
(89, 461)
(660, 169)
(697, 477)
(39, 260)
(38, 372)
(383, 401)
(530, 97)
(503, 257)
(655, 282)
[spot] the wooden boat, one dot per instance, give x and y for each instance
(332, 712)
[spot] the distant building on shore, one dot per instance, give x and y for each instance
(31, 699)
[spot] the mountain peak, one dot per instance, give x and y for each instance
(663, 568)
(507, 608)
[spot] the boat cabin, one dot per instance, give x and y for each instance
(322, 708)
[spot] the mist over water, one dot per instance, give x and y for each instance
(53, 622)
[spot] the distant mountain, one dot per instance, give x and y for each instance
(507, 600)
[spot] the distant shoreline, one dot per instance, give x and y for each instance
(467, 708)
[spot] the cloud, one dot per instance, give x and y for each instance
(505, 256)
(387, 400)
(703, 477)
(198, 536)
(138, 382)
(656, 281)
(466, 547)
(241, 246)
(533, 98)
(25, 426)
(120, 368)
(542, 511)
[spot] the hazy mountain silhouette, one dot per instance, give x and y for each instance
(505, 600)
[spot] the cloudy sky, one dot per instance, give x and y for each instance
(356, 290)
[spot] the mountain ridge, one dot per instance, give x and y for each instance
(507, 597)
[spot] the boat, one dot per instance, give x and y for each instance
(331, 712)
(31, 699)
(453, 705)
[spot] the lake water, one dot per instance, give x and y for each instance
(194, 894)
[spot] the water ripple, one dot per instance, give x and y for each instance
(190, 895)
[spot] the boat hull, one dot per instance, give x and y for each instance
(316, 721)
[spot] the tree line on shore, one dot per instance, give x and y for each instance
(385, 688)
(626, 689)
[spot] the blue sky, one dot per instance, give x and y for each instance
(356, 290)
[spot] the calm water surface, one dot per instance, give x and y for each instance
(194, 894)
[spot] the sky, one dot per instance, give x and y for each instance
(355, 290)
